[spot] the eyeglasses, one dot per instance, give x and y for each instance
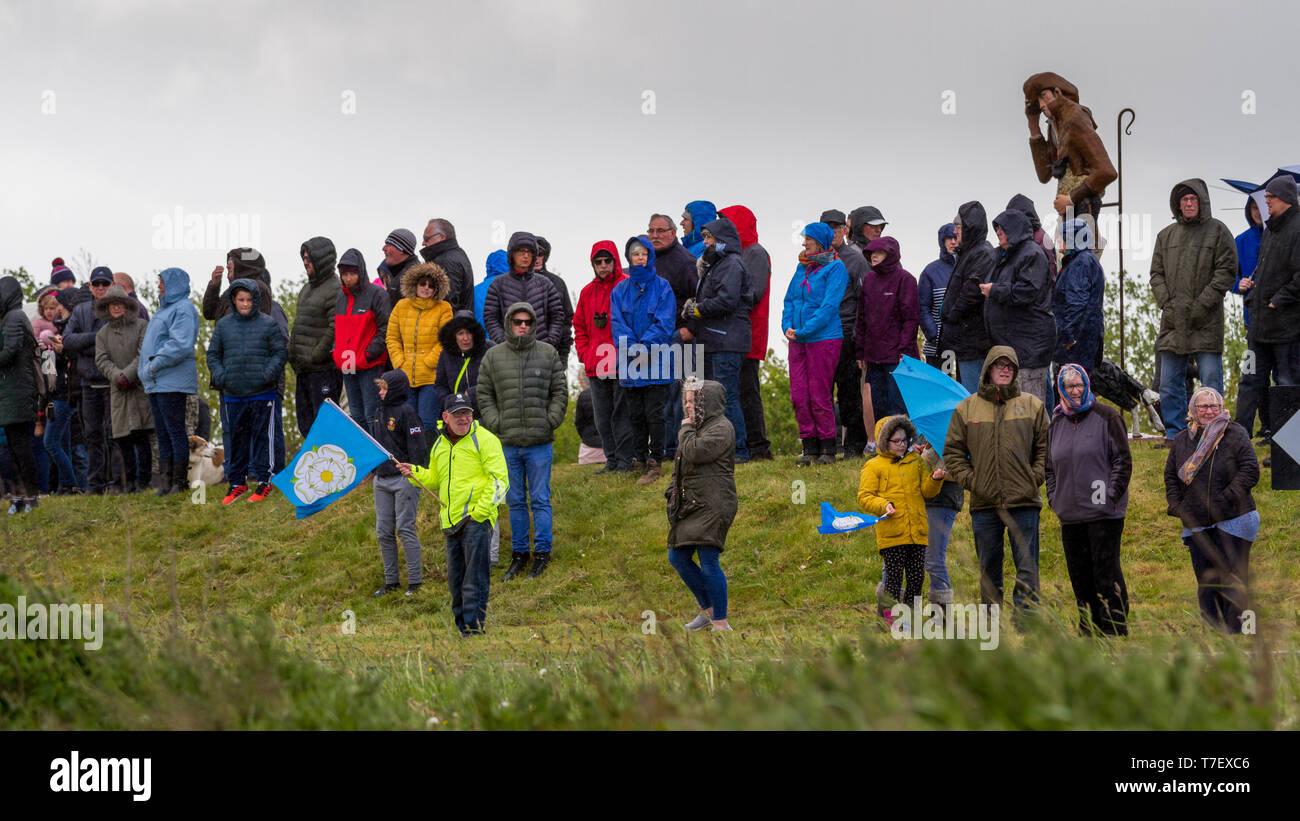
(898, 441)
(100, 284)
(522, 321)
(1209, 407)
(1004, 366)
(662, 231)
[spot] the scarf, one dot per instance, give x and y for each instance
(1210, 439)
(815, 261)
(1068, 406)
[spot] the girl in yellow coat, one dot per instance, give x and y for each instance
(895, 484)
(412, 339)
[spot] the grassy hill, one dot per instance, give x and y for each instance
(235, 618)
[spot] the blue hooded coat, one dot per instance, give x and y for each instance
(1077, 305)
(167, 361)
(497, 263)
(931, 288)
(702, 213)
(642, 309)
(1247, 256)
(812, 299)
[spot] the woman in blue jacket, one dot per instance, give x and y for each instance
(811, 322)
(168, 373)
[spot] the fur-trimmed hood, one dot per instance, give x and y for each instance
(886, 428)
(117, 294)
(463, 320)
(415, 273)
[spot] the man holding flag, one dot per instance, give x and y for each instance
(468, 500)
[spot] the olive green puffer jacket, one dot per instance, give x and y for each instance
(521, 388)
(311, 342)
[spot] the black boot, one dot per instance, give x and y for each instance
(518, 561)
(180, 476)
(810, 452)
(828, 452)
(164, 470)
(540, 561)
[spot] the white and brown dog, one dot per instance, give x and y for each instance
(205, 462)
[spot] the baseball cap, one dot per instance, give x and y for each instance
(457, 401)
(833, 217)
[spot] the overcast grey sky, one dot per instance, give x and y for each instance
(505, 116)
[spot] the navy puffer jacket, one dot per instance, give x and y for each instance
(1018, 311)
(246, 354)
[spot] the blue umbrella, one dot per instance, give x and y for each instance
(930, 396)
(1256, 190)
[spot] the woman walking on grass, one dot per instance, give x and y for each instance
(702, 499)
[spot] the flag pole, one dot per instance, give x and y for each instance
(375, 442)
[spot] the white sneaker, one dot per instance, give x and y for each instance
(699, 622)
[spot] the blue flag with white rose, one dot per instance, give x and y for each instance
(336, 456)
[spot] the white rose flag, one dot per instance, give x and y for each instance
(336, 456)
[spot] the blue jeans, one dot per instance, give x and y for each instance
(467, 575)
(1173, 385)
(168, 410)
(530, 487)
(42, 461)
(363, 395)
(705, 580)
(725, 369)
(425, 401)
(939, 520)
(969, 373)
(58, 442)
(989, 527)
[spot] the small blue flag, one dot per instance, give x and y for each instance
(835, 522)
(336, 456)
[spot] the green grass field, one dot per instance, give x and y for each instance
(236, 618)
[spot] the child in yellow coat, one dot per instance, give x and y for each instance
(895, 484)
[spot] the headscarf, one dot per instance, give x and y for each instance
(1068, 406)
(1209, 439)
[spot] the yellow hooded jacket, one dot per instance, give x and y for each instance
(413, 325)
(906, 482)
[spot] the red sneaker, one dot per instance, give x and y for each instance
(263, 490)
(235, 492)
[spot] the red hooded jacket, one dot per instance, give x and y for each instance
(589, 333)
(759, 265)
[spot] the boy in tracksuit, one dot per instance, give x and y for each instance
(467, 468)
(398, 428)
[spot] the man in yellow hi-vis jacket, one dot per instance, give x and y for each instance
(467, 467)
